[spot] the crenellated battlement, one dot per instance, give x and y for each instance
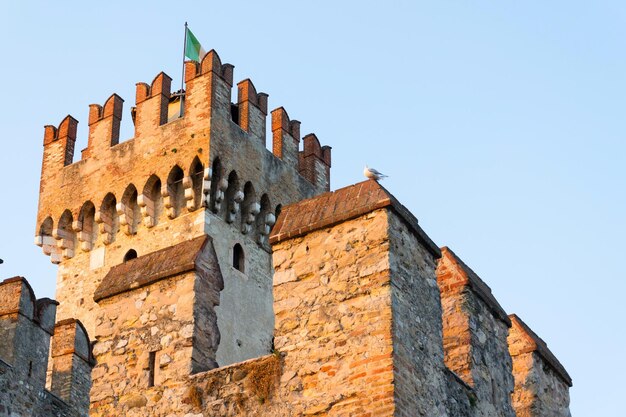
(59, 142)
(178, 161)
(315, 161)
(211, 63)
(27, 325)
(104, 125)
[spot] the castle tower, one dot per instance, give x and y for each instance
(221, 278)
(180, 178)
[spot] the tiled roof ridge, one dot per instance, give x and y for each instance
(142, 270)
(331, 208)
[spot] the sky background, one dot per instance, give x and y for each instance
(500, 125)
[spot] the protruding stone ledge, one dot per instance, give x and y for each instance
(334, 207)
(150, 268)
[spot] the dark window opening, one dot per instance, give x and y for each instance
(30, 369)
(234, 112)
(238, 258)
(151, 363)
(131, 254)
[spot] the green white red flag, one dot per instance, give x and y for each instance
(193, 49)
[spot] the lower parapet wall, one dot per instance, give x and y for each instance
(26, 329)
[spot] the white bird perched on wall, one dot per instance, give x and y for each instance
(373, 174)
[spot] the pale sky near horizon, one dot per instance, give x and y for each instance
(500, 125)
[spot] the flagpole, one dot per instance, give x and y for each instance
(182, 80)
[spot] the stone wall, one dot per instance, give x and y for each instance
(420, 384)
(541, 382)
(157, 326)
(360, 327)
(151, 324)
(475, 330)
(26, 327)
(244, 316)
(332, 300)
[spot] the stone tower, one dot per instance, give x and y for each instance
(220, 278)
(181, 178)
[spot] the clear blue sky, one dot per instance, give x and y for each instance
(500, 124)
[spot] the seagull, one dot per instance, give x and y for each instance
(373, 174)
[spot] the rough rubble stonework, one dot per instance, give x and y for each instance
(201, 274)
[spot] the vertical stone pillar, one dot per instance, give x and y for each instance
(71, 364)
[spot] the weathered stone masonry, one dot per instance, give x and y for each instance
(26, 330)
(218, 278)
(207, 172)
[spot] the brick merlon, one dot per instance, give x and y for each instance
(537, 344)
(477, 285)
(347, 203)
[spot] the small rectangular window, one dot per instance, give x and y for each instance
(151, 368)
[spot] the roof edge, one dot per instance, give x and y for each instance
(385, 200)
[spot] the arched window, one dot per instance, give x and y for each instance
(131, 254)
(151, 201)
(196, 172)
(175, 191)
(238, 258)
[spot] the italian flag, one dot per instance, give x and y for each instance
(193, 49)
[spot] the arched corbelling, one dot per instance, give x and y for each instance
(46, 240)
(193, 194)
(108, 219)
(175, 198)
(250, 208)
(265, 220)
(64, 234)
(151, 201)
(218, 186)
(234, 197)
(87, 226)
(128, 210)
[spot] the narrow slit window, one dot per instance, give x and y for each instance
(151, 368)
(238, 258)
